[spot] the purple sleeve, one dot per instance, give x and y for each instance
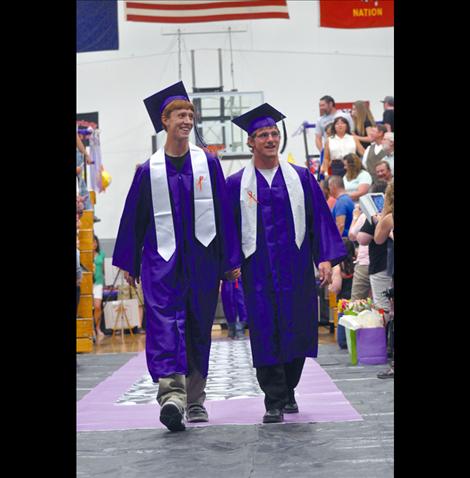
(135, 219)
(325, 238)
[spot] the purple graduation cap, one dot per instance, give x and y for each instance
(156, 103)
(259, 117)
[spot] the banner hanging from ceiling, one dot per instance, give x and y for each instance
(356, 13)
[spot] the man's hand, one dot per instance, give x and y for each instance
(233, 274)
(325, 273)
(130, 279)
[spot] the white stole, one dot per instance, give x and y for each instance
(204, 215)
(249, 203)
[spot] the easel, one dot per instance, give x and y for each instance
(120, 312)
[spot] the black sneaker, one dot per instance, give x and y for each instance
(291, 407)
(274, 415)
(96, 219)
(172, 417)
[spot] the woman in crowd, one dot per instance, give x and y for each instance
(98, 283)
(337, 146)
(384, 234)
(363, 121)
(356, 180)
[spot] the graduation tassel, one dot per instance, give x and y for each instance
(285, 137)
(199, 137)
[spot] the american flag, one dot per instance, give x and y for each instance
(191, 11)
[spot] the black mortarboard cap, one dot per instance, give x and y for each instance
(156, 103)
(259, 117)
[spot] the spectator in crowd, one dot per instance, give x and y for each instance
(344, 206)
(384, 234)
(360, 281)
(337, 146)
(82, 155)
(380, 281)
(383, 171)
(342, 277)
(388, 145)
(363, 122)
(389, 113)
(374, 152)
(79, 212)
(328, 113)
(98, 283)
(83, 158)
(177, 232)
(283, 235)
(79, 277)
(330, 200)
(356, 180)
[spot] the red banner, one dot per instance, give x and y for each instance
(356, 13)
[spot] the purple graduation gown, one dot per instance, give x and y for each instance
(279, 278)
(233, 301)
(181, 294)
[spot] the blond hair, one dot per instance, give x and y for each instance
(362, 113)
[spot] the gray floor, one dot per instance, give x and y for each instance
(362, 449)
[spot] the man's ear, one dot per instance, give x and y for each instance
(165, 122)
(251, 141)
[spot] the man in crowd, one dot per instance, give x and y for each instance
(285, 227)
(388, 145)
(344, 206)
(374, 152)
(177, 225)
(389, 113)
(383, 171)
(328, 113)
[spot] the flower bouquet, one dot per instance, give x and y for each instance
(363, 329)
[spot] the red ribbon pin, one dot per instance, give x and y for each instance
(252, 196)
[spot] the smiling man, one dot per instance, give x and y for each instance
(177, 225)
(285, 227)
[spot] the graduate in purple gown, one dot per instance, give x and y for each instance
(233, 303)
(177, 233)
(285, 227)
